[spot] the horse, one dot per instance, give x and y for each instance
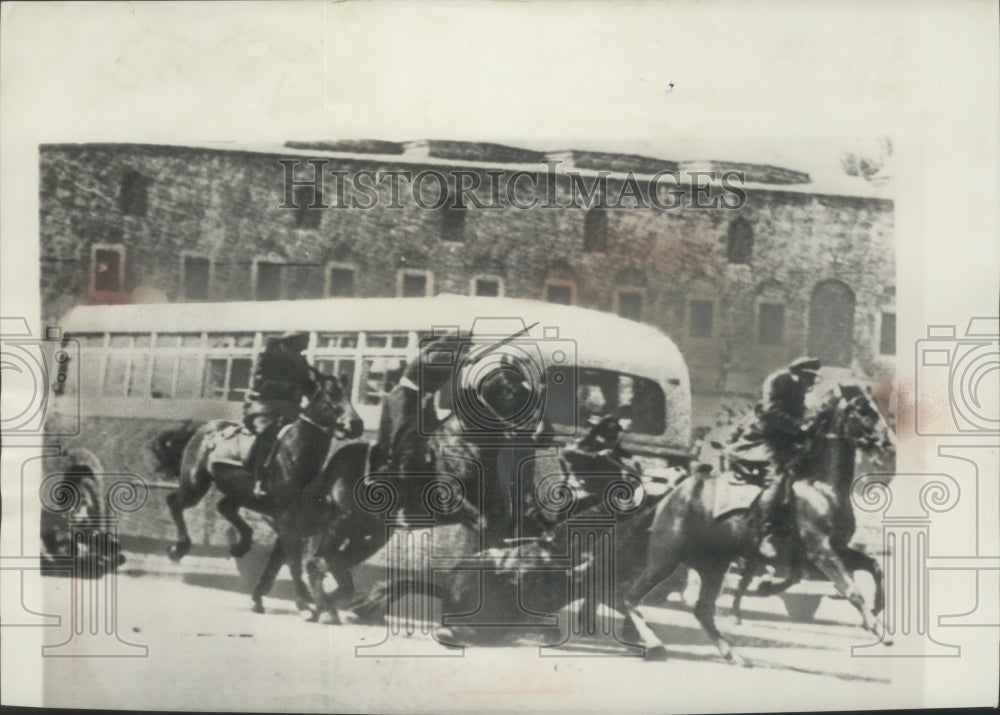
(468, 479)
(215, 454)
(822, 524)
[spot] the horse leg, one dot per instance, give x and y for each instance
(711, 585)
(749, 569)
(318, 570)
(184, 497)
(635, 625)
(230, 509)
(294, 558)
(274, 563)
(855, 560)
(773, 588)
(829, 562)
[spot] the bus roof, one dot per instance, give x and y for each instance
(602, 338)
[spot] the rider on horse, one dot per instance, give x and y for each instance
(281, 378)
(408, 412)
(782, 427)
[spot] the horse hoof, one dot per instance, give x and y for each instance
(258, 607)
(178, 551)
(240, 549)
(734, 659)
(887, 640)
(308, 615)
(327, 618)
(447, 637)
(656, 653)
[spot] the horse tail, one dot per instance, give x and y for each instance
(168, 448)
(374, 608)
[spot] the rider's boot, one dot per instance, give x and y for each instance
(768, 547)
(261, 452)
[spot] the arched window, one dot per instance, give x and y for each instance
(595, 230)
(739, 242)
(831, 323)
(133, 194)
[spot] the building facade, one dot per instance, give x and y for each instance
(778, 268)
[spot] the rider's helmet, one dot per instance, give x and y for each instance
(295, 340)
(806, 368)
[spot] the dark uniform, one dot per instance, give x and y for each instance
(600, 450)
(401, 447)
(281, 378)
(781, 425)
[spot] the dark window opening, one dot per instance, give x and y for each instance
(133, 194)
(739, 242)
(595, 230)
(700, 323)
(107, 270)
(487, 287)
(340, 282)
(268, 281)
(887, 335)
(556, 293)
(304, 197)
(414, 285)
(630, 304)
(453, 220)
(772, 324)
(196, 272)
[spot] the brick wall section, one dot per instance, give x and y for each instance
(224, 205)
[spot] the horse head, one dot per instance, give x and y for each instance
(330, 407)
(849, 411)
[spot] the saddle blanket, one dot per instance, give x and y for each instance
(231, 446)
(732, 494)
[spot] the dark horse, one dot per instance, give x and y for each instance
(469, 482)
(822, 524)
(215, 454)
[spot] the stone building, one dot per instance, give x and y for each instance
(786, 268)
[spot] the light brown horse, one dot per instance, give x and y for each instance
(684, 529)
(298, 457)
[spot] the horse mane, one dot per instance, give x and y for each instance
(168, 447)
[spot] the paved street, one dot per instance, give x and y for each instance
(208, 651)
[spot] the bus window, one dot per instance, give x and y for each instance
(214, 387)
(138, 378)
(120, 340)
(163, 375)
(341, 340)
(188, 378)
(224, 340)
(378, 376)
(342, 367)
(239, 379)
(600, 392)
(90, 375)
(114, 375)
(384, 340)
(178, 340)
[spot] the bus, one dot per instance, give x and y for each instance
(150, 368)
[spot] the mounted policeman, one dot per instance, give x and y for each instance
(402, 444)
(780, 425)
(281, 378)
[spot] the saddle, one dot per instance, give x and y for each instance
(231, 446)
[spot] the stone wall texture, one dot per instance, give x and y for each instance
(224, 205)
